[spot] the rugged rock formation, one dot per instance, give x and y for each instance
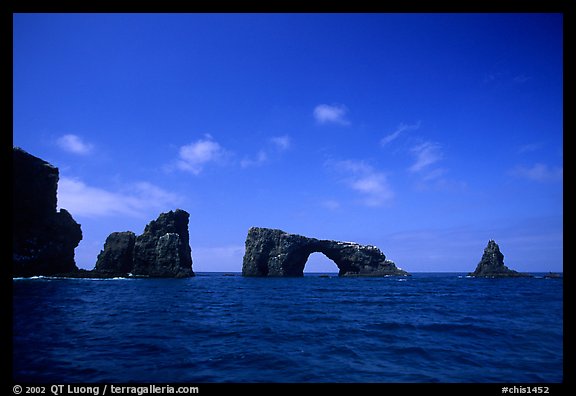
(117, 258)
(492, 264)
(43, 239)
(272, 252)
(163, 250)
(554, 275)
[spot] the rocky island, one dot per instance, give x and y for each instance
(492, 264)
(43, 238)
(162, 251)
(275, 253)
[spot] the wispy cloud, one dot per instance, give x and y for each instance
(275, 145)
(426, 154)
(282, 143)
(539, 173)
(194, 156)
(74, 144)
(430, 174)
(401, 128)
(434, 174)
(505, 77)
(529, 148)
(521, 78)
(370, 183)
(331, 114)
(260, 159)
(491, 77)
(331, 204)
(140, 199)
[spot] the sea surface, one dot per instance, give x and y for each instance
(215, 327)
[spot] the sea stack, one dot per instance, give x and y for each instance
(492, 264)
(117, 257)
(275, 253)
(43, 238)
(162, 251)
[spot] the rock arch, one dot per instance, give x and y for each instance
(271, 252)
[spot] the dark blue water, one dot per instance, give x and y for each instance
(216, 328)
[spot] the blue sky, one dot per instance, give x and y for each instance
(423, 134)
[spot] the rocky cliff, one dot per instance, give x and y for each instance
(271, 252)
(163, 250)
(43, 239)
(117, 257)
(492, 264)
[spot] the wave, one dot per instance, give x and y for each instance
(42, 277)
(30, 278)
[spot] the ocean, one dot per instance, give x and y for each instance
(215, 327)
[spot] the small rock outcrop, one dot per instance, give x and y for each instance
(117, 257)
(162, 251)
(492, 264)
(43, 239)
(271, 252)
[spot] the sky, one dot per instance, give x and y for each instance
(423, 134)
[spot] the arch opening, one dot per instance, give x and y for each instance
(319, 263)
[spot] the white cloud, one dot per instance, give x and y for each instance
(276, 145)
(539, 172)
(260, 159)
(194, 156)
(521, 78)
(426, 154)
(375, 188)
(137, 200)
(505, 77)
(282, 143)
(429, 175)
(331, 114)
(331, 204)
(371, 184)
(434, 174)
(74, 144)
(529, 148)
(401, 128)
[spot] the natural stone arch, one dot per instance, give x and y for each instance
(272, 252)
(293, 260)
